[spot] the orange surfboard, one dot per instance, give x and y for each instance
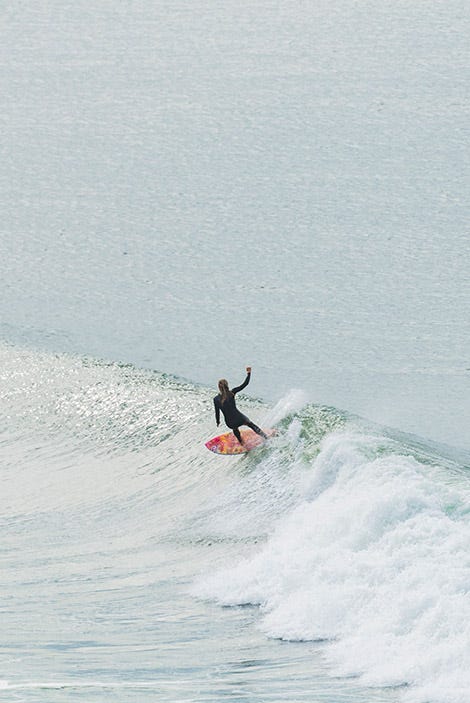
(228, 444)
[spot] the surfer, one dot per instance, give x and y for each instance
(225, 402)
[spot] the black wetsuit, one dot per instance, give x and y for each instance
(233, 417)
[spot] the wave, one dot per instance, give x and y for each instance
(340, 533)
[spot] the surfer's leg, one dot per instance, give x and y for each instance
(236, 432)
(256, 429)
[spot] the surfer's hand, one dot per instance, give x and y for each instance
(248, 369)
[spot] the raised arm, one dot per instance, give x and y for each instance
(245, 382)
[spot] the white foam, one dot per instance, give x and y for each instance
(374, 560)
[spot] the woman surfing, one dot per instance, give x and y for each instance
(225, 402)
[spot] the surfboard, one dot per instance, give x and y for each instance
(228, 444)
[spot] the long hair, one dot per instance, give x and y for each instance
(224, 390)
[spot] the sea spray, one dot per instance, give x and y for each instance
(293, 401)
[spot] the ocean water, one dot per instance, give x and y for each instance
(196, 186)
(342, 554)
(187, 188)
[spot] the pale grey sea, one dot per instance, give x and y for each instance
(188, 187)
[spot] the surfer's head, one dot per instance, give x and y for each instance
(224, 390)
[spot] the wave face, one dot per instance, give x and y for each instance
(119, 530)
